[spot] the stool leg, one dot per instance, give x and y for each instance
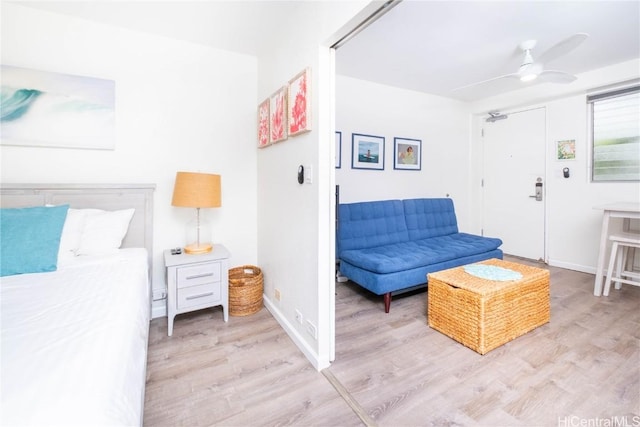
(612, 259)
(631, 259)
(622, 265)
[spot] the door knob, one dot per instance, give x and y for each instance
(538, 195)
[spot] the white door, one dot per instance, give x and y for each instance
(513, 169)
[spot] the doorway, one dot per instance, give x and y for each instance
(513, 159)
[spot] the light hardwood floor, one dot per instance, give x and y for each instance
(583, 366)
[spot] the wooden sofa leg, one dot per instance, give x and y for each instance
(387, 302)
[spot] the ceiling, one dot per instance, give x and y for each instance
(438, 46)
(235, 25)
(427, 46)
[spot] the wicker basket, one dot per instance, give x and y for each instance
(484, 314)
(245, 290)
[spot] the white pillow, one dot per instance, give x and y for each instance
(71, 234)
(103, 231)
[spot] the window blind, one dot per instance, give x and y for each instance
(615, 135)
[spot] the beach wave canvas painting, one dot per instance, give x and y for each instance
(45, 109)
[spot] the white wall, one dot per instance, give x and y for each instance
(179, 106)
(295, 222)
(441, 123)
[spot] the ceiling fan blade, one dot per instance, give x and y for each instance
(484, 82)
(553, 76)
(563, 47)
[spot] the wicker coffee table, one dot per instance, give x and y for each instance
(484, 314)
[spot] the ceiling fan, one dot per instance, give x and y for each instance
(531, 70)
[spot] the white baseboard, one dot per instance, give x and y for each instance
(295, 336)
(159, 310)
(574, 267)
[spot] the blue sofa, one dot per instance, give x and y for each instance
(390, 245)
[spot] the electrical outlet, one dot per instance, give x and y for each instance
(311, 328)
(277, 294)
(159, 294)
(299, 317)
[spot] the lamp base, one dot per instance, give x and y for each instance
(196, 249)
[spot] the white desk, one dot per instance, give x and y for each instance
(626, 210)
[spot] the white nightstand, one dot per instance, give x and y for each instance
(195, 282)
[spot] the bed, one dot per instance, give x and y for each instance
(74, 340)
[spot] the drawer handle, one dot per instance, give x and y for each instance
(208, 294)
(197, 276)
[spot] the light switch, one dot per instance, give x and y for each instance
(308, 174)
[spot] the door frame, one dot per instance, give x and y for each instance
(367, 16)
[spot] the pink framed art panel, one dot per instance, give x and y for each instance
(263, 124)
(278, 116)
(299, 109)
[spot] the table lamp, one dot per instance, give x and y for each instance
(197, 190)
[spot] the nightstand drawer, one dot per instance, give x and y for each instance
(198, 295)
(198, 274)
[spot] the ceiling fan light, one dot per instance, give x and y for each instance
(528, 77)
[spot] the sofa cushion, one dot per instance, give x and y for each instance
(413, 254)
(405, 279)
(430, 218)
(370, 224)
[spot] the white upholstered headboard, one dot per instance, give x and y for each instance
(99, 196)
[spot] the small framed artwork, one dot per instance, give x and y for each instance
(263, 124)
(338, 159)
(299, 108)
(407, 154)
(278, 116)
(566, 149)
(367, 151)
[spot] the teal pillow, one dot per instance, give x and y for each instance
(30, 239)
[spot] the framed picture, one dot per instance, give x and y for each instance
(567, 149)
(278, 116)
(47, 109)
(338, 159)
(407, 154)
(263, 124)
(299, 108)
(367, 151)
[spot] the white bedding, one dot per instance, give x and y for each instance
(74, 342)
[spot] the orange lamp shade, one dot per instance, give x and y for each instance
(197, 190)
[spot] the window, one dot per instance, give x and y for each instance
(615, 135)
